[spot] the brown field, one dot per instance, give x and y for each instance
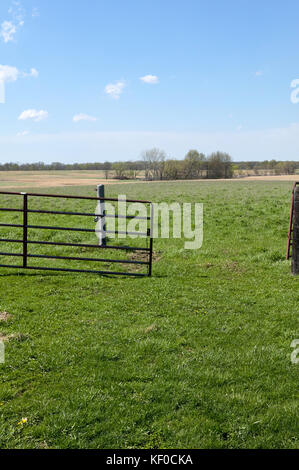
(47, 179)
(270, 178)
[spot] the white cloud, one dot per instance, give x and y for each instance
(33, 114)
(151, 79)
(22, 134)
(8, 73)
(33, 73)
(10, 27)
(115, 89)
(84, 117)
(35, 13)
(8, 30)
(11, 74)
(259, 73)
(295, 93)
(17, 12)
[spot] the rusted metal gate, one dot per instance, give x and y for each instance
(293, 236)
(291, 221)
(26, 242)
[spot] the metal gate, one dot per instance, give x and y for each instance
(25, 242)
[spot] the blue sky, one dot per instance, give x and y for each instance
(93, 80)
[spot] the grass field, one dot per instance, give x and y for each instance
(198, 356)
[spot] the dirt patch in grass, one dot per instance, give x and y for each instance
(233, 266)
(42, 445)
(5, 338)
(151, 328)
(143, 256)
(208, 265)
(5, 316)
(15, 336)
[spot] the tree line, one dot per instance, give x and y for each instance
(195, 165)
(41, 166)
(155, 165)
(275, 167)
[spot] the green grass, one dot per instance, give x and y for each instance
(198, 356)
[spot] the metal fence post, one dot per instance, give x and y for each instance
(101, 205)
(151, 240)
(25, 229)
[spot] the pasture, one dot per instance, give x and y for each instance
(198, 356)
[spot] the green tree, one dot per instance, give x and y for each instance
(220, 165)
(194, 164)
(172, 169)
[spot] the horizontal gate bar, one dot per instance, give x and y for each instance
(75, 258)
(88, 214)
(75, 197)
(12, 225)
(38, 268)
(73, 229)
(83, 245)
(6, 209)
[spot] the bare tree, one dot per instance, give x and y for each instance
(153, 163)
(119, 169)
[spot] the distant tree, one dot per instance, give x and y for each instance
(153, 163)
(249, 165)
(272, 164)
(172, 169)
(106, 165)
(290, 168)
(256, 170)
(285, 168)
(120, 169)
(235, 169)
(194, 164)
(58, 166)
(220, 165)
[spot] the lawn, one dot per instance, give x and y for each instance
(198, 356)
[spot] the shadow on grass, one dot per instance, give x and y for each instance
(65, 274)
